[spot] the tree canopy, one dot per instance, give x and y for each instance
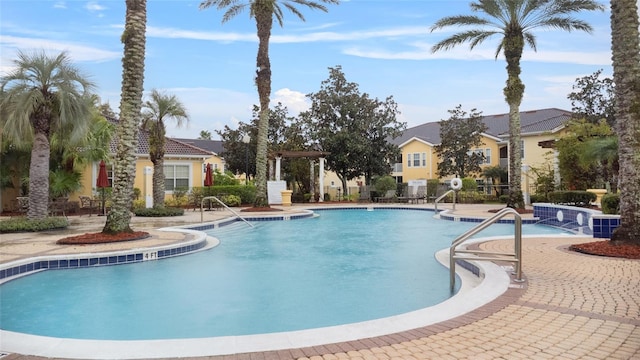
(356, 129)
(460, 136)
(593, 99)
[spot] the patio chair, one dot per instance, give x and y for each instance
(58, 206)
(388, 197)
(22, 204)
(87, 203)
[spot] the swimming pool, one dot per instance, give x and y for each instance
(344, 266)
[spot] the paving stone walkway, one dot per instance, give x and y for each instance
(572, 306)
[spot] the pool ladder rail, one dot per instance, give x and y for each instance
(224, 205)
(465, 254)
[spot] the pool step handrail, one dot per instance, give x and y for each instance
(515, 257)
(435, 203)
(221, 203)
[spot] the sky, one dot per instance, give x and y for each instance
(384, 46)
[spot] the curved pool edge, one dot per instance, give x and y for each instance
(493, 283)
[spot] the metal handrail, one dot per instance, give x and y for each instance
(515, 257)
(435, 203)
(221, 203)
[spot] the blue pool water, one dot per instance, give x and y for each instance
(342, 267)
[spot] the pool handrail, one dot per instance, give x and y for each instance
(224, 205)
(435, 203)
(515, 257)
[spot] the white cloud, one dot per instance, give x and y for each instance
(324, 36)
(77, 52)
(422, 51)
(295, 101)
(93, 6)
(60, 5)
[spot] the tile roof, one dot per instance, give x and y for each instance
(215, 146)
(172, 147)
(532, 122)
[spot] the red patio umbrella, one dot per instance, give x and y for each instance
(208, 177)
(103, 181)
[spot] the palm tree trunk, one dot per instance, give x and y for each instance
(264, 23)
(158, 183)
(625, 46)
(39, 178)
(119, 217)
(513, 92)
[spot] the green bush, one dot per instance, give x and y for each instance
(247, 193)
(572, 198)
(503, 199)
(159, 212)
(470, 197)
(231, 200)
(469, 184)
(538, 198)
(139, 204)
(432, 187)
(611, 204)
(385, 183)
(22, 224)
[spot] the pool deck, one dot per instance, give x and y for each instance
(571, 306)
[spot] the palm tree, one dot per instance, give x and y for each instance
(41, 96)
(263, 12)
(134, 40)
(160, 107)
(514, 21)
(625, 47)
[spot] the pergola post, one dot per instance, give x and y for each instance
(321, 177)
(278, 160)
(312, 178)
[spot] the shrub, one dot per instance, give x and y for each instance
(327, 197)
(538, 198)
(469, 184)
(503, 199)
(432, 187)
(572, 198)
(385, 183)
(158, 212)
(247, 193)
(23, 224)
(467, 197)
(139, 204)
(611, 204)
(231, 200)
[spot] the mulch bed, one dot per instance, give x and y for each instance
(260, 209)
(101, 238)
(606, 248)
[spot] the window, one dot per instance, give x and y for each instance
(487, 156)
(176, 176)
(409, 160)
(521, 149)
(424, 159)
(416, 160)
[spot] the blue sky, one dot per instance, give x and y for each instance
(382, 45)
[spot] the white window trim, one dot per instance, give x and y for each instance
(190, 172)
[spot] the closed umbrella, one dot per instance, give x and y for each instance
(102, 182)
(208, 177)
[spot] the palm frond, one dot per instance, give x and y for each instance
(474, 37)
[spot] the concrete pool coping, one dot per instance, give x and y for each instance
(435, 336)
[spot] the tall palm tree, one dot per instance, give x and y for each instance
(514, 21)
(41, 96)
(625, 47)
(134, 40)
(161, 107)
(263, 11)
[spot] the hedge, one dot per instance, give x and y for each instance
(611, 204)
(572, 198)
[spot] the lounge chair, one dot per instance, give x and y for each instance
(388, 197)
